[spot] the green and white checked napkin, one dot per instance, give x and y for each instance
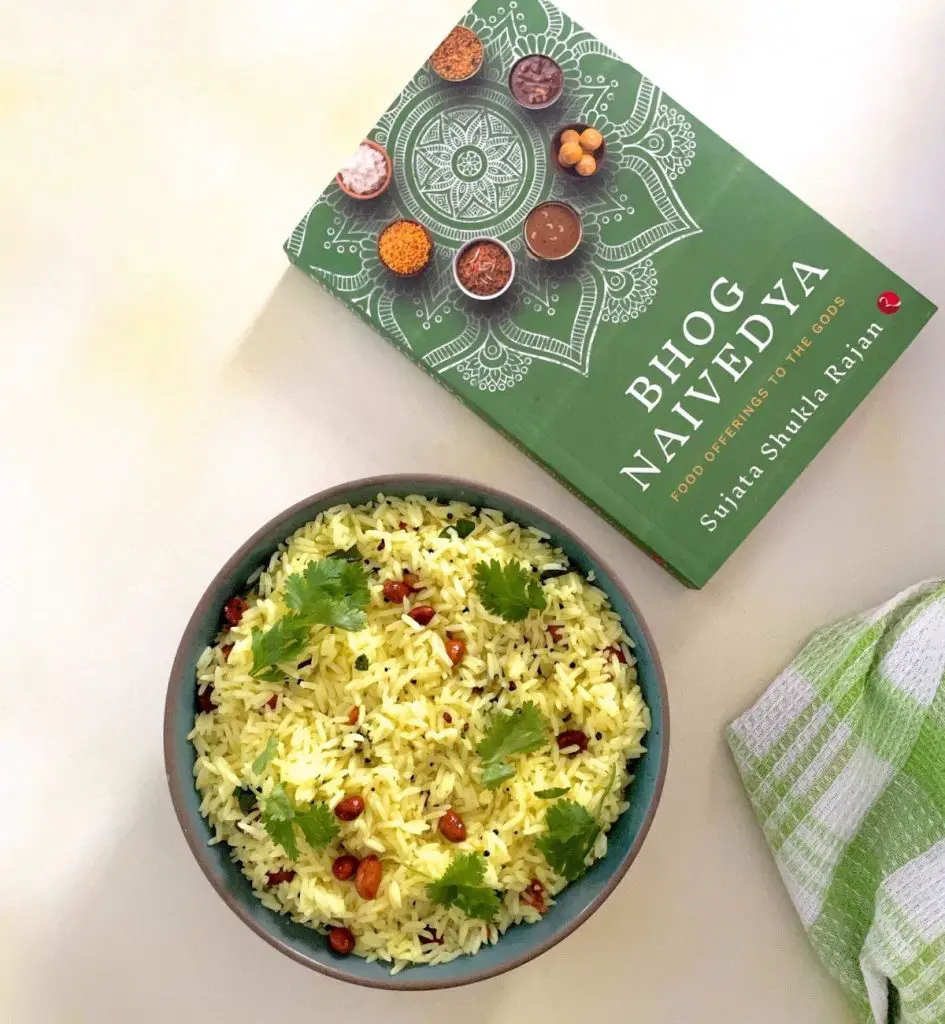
(843, 758)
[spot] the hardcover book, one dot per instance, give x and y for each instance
(704, 341)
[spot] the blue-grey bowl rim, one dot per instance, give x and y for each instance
(182, 675)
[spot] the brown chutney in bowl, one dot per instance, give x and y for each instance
(536, 81)
(553, 230)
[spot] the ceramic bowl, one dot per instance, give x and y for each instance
(459, 284)
(382, 188)
(398, 220)
(520, 943)
(599, 156)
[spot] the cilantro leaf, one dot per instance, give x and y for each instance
(332, 592)
(313, 582)
(264, 759)
(568, 820)
(318, 825)
(246, 798)
(361, 662)
(521, 732)
(348, 554)
(272, 674)
(281, 833)
(482, 904)
(551, 794)
(571, 834)
(283, 642)
(277, 814)
(606, 792)
(464, 869)
(277, 805)
(509, 591)
(495, 773)
(460, 886)
(462, 529)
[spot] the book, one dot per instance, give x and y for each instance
(706, 339)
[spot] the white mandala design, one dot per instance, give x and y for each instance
(672, 141)
(629, 292)
(468, 162)
(464, 166)
(494, 366)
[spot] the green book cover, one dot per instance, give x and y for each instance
(704, 342)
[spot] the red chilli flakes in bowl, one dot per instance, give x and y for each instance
(484, 268)
(459, 56)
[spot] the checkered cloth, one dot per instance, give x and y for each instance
(843, 758)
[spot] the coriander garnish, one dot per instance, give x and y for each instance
(521, 732)
(551, 794)
(279, 815)
(460, 886)
(246, 798)
(347, 554)
(571, 834)
(264, 759)
(509, 591)
(332, 592)
(462, 529)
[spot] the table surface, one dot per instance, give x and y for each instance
(170, 383)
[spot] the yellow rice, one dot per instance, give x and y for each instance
(402, 756)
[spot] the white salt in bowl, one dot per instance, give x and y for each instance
(385, 184)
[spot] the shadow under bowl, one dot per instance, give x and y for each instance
(520, 943)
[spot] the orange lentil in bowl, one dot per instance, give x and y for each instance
(404, 247)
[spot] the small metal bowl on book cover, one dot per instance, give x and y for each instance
(484, 268)
(553, 231)
(536, 81)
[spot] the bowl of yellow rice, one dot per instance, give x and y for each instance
(415, 732)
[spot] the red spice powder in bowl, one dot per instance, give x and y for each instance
(459, 57)
(484, 268)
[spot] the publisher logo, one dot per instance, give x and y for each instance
(889, 303)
